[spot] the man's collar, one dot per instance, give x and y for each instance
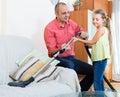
(59, 25)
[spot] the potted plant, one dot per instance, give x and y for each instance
(77, 4)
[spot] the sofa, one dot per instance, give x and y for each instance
(12, 49)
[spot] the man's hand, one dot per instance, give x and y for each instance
(84, 35)
(67, 48)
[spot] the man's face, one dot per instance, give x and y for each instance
(63, 14)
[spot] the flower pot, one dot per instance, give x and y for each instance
(76, 7)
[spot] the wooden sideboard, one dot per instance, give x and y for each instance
(94, 4)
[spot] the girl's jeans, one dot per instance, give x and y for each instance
(99, 68)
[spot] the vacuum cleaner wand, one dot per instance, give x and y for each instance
(45, 67)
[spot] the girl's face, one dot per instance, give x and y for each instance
(97, 20)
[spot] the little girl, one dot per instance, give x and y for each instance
(100, 47)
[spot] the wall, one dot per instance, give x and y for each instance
(0, 16)
(26, 18)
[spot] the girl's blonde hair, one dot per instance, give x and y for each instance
(106, 22)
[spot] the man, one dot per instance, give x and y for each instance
(57, 33)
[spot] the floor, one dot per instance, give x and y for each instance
(116, 85)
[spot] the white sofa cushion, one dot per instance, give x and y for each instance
(42, 89)
(65, 82)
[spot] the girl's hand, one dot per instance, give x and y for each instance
(75, 39)
(80, 39)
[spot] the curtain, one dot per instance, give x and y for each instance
(115, 40)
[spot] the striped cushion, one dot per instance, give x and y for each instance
(29, 65)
